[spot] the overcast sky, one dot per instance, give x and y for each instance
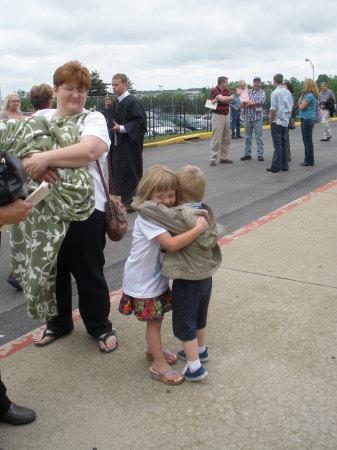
(174, 44)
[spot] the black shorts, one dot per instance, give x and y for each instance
(190, 300)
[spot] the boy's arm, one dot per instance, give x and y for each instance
(174, 243)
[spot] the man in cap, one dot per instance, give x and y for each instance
(253, 118)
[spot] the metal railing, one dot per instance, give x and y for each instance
(166, 117)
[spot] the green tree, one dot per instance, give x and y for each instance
(130, 87)
(97, 87)
(25, 101)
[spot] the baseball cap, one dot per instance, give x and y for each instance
(257, 79)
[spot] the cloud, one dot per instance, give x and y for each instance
(174, 44)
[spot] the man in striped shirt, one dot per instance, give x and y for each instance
(253, 118)
(221, 122)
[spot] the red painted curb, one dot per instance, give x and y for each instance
(22, 342)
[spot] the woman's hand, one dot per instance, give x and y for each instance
(35, 164)
(49, 176)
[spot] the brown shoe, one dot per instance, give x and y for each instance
(226, 161)
(212, 163)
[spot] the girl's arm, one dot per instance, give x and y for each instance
(174, 243)
(304, 104)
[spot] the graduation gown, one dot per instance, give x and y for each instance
(127, 156)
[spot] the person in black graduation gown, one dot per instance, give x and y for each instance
(126, 121)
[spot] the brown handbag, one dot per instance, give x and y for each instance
(115, 212)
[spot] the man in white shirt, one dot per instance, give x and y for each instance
(280, 111)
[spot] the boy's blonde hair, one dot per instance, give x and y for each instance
(157, 179)
(192, 183)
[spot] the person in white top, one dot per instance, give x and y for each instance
(81, 252)
(146, 291)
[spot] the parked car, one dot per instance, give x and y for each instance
(156, 127)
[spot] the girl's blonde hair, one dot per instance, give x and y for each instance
(310, 86)
(157, 179)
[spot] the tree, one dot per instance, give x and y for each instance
(130, 87)
(97, 87)
(25, 101)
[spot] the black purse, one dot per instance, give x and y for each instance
(13, 180)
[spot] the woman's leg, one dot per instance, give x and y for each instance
(153, 338)
(88, 242)
(304, 138)
(62, 323)
(307, 127)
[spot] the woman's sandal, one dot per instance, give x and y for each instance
(170, 357)
(104, 340)
(46, 333)
(162, 376)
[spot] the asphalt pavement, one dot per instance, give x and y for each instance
(272, 346)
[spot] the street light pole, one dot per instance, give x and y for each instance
(312, 66)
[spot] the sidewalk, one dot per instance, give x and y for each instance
(272, 380)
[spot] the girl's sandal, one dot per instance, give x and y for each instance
(170, 357)
(162, 376)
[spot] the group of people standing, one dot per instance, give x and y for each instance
(247, 106)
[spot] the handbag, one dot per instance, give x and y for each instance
(116, 216)
(291, 125)
(13, 180)
(318, 115)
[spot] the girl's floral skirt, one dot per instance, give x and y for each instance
(152, 308)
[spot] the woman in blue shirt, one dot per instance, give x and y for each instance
(307, 106)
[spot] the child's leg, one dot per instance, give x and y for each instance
(153, 338)
(201, 337)
(191, 349)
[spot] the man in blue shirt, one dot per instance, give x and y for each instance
(280, 111)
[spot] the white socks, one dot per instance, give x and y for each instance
(194, 365)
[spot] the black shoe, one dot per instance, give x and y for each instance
(239, 137)
(226, 161)
(234, 137)
(305, 164)
(260, 158)
(271, 170)
(18, 415)
(13, 282)
(246, 158)
(326, 139)
(285, 170)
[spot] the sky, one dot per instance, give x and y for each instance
(161, 44)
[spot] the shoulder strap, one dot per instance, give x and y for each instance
(103, 180)
(111, 187)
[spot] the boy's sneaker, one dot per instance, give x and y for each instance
(194, 376)
(202, 356)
